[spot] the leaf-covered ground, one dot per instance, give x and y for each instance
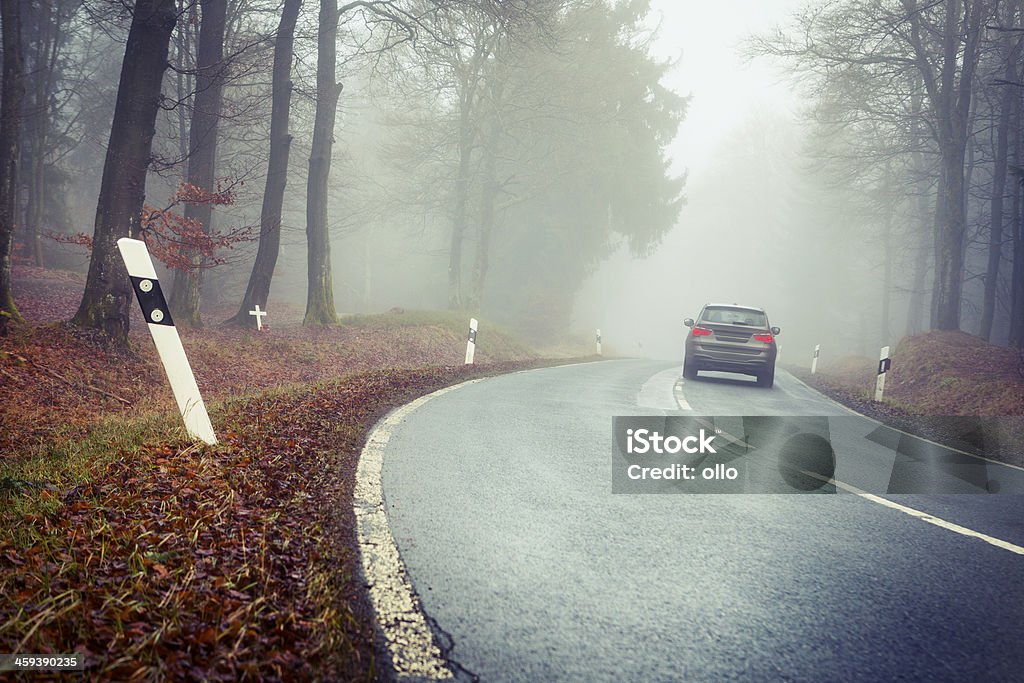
(160, 560)
(938, 373)
(57, 380)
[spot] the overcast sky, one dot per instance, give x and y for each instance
(705, 35)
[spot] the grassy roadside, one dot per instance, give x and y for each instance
(165, 560)
(58, 380)
(937, 373)
(162, 560)
(949, 387)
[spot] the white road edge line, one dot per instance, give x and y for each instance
(896, 429)
(924, 516)
(410, 642)
(678, 395)
(677, 392)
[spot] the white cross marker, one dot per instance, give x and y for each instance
(259, 316)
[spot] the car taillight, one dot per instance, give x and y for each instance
(701, 331)
(766, 338)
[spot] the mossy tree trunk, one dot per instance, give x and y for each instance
(320, 285)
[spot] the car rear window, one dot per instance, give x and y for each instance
(734, 316)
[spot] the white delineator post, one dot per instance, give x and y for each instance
(259, 316)
(165, 336)
(814, 359)
(598, 341)
(883, 367)
(471, 342)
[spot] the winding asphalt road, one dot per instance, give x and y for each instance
(499, 498)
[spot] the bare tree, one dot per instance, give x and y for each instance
(539, 129)
(258, 289)
(202, 154)
(487, 214)
(320, 285)
(402, 24)
(938, 42)
(105, 302)
(1010, 52)
(10, 131)
(1017, 239)
(466, 60)
(44, 47)
(949, 84)
(457, 69)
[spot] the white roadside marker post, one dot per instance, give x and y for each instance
(471, 342)
(814, 359)
(884, 362)
(165, 336)
(598, 341)
(259, 317)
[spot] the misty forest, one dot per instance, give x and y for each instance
(491, 156)
(480, 156)
(517, 211)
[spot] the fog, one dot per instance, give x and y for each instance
(580, 165)
(746, 234)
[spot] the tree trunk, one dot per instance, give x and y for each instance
(884, 327)
(258, 289)
(950, 87)
(10, 124)
(488, 194)
(35, 191)
(916, 306)
(995, 240)
(48, 25)
(1017, 277)
(368, 271)
(1017, 232)
(949, 241)
(202, 152)
(320, 285)
(183, 82)
(459, 219)
(107, 294)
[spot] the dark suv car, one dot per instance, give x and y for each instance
(731, 338)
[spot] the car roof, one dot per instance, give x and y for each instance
(746, 308)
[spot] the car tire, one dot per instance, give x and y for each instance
(767, 378)
(689, 370)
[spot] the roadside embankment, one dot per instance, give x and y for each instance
(156, 558)
(936, 376)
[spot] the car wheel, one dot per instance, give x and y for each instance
(767, 378)
(689, 370)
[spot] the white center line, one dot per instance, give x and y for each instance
(924, 516)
